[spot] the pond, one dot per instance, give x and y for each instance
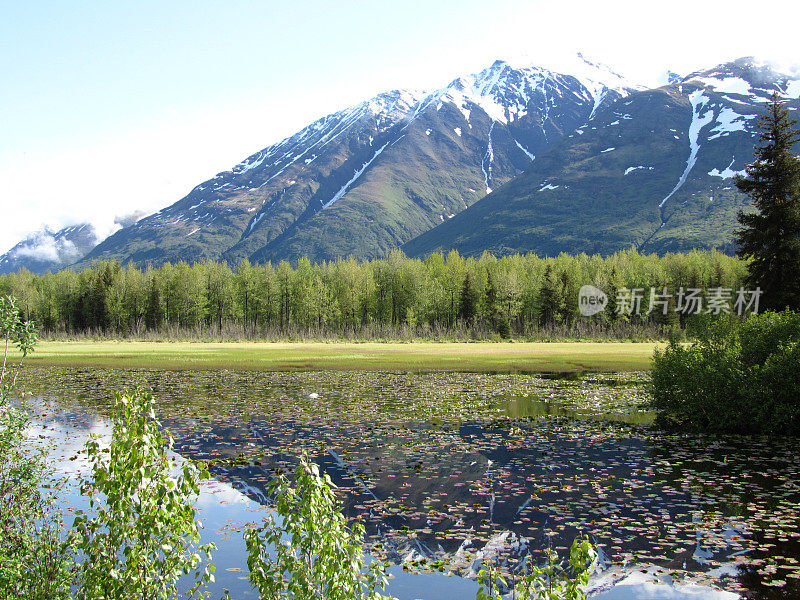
(468, 468)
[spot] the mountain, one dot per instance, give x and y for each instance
(652, 171)
(46, 250)
(365, 180)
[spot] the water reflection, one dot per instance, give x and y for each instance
(474, 468)
(222, 509)
(520, 407)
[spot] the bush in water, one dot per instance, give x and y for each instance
(552, 581)
(316, 555)
(737, 378)
(34, 563)
(144, 536)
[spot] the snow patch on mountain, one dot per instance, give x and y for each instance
(728, 121)
(793, 90)
(505, 92)
(726, 173)
(598, 100)
(735, 100)
(388, 109)
(479, 92)
(525, 150)
(486, 162)
(725, 85)
(250, 163)
(700, 119)
(596, 77)
(395, 105)
(630, 170)
(355, 177)
(255, 222)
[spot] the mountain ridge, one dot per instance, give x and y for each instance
(659, 165)
(508, 159)
(366, 179)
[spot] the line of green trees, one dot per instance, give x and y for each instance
(519, 295)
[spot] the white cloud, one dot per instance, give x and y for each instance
(44, 247)
(641, 40)
(44, 250)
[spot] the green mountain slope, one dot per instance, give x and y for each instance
(653, 171)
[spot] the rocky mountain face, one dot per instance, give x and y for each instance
(652, 171)
(365, 180)
(511, 159)
(49, 251)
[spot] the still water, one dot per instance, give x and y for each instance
(469, 469)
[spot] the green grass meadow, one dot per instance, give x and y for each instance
(423, 356)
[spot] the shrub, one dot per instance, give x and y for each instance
(551, 581)
(13, 332)
(736, 378)
(144, 536)
(316, 555)
(34, 563)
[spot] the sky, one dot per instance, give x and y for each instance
(107, 108)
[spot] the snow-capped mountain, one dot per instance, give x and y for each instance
(652, 171)
(367, 179)
(512, 158)
(46, 250)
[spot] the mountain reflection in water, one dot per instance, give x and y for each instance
(474, 468)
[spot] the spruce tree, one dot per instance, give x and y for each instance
(551, 302)
(154, 314)
(770, 237)
(468, 306)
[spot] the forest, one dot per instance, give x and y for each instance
(523, 296)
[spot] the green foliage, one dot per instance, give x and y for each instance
(492, 583)
(771, 236)
(143, 535)
(740, 378)
(397, 297)
(470, 298)
(13, 332)
(316, 555)
(34, 563)
(551, 581)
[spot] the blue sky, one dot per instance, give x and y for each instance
(107, 107)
